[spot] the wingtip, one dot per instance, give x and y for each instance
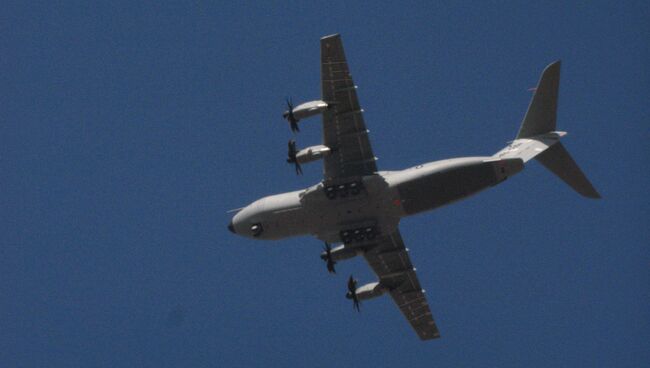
(435, 335)
(588, 191)
(594, 195)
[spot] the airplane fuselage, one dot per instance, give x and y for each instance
(360, 207)
(370, 205)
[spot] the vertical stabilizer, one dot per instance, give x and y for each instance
(541, 114)
(538, 138)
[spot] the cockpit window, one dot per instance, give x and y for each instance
(257, 229)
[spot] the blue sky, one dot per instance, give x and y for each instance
(127, 131)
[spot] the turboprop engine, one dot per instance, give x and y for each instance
(367, 291)
(312, 153)
(305, 155)
(339, 253)
(305, 110)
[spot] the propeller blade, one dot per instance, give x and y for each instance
(290, 116)
(352, 293)
(291, 151)
(291, 156)
(294, 125)
(328, 258)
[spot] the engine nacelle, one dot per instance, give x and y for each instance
(308, 109)
(369, 291)
(312, 153)
(341, 253)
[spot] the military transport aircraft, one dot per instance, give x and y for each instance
(360, 208)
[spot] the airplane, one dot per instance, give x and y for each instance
(359, 207)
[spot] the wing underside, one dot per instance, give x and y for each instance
(390, 261)
(344, 130)
(345, 133)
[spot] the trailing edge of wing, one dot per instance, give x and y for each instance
(390, 261)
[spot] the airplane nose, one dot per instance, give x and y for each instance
(231, 227)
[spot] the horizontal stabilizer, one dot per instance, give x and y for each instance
(558, 160)
(527, 148)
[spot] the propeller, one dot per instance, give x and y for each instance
(352, 292)
(291, 156)
(327, 257)
(291, 117)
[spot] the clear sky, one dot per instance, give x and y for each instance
(128, 130)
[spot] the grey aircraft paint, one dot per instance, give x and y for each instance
(386, 197)
(360, 208)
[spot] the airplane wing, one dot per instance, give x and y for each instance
(344, 131)
(390, 261)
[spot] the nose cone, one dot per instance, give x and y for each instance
(231, 227)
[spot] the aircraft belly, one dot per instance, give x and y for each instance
(442, 187)
(372, 206)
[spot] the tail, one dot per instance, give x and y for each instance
(537, 137)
